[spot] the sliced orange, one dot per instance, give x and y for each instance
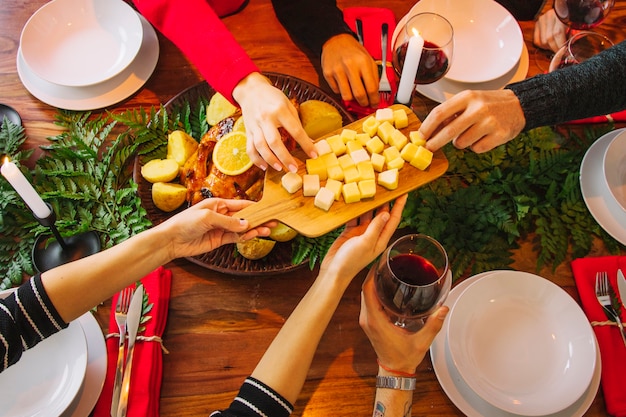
(229, 154)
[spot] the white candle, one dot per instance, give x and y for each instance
(409, 69)
(24, 189)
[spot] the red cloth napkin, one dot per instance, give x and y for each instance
(618, 117)
(147, 372)
(373, 18)
(612, 350)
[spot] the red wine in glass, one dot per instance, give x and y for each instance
(582, 14)
(433, 62)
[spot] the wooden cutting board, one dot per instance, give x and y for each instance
(301, 214)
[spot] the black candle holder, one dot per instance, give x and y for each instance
(48, 254)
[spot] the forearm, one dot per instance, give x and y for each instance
(392, 402)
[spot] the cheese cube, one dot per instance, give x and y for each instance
(384, 131)
(335, 187)
(384, 115)
(324, 199)
(351, 192)
(336, 144)
(330, 159)
(391, 153)
(398, 139)
(351, 174)
(362, 138)
(322, 147)
(352, 146)
(375, 145)
(370, 126)
(316, 167)
(348, 135)
(366, 170)
(400, 119)
(310, 185)
(389, 179)
(423, 158)
(397, 163)
(346, 161)
(417, 138)
(408, 152)
(378, 162)
(335, 173)
(360, 155)
(291, 182)
(367, 188)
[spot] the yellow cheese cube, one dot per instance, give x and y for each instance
(351, 192)
(366, 170)
(389, 179)
(367, 188)
(351, 174)
(400, 119)
(322, 147)
(385, 130)
(352, 146)
(362, 138)
(330, 159)
(346, 161)
(291, 182)
(336, 144)
(391, 153)
(335, 187)
(384, 115)
(310, 185)
(335, 173)
(316, 167)
(348, 135)
(408, 152)
(398, 139)
(397, 163)
(370, 126)
(378, 162)
(423, 158)
(324, 199)
(417, 138)
(360, 155)
(375, 145)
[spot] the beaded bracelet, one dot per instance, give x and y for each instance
(393, 371)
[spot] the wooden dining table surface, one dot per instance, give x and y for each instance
(219, 325)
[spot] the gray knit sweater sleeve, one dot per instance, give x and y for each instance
(595, 87)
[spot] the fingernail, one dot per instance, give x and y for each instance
(293, 168)
(313, 155)
(442, 313)
(278, 167)
(263, 167)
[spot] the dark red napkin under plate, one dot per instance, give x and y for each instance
(618, 117)
(147, 372)
(612, 349)
(373, 18)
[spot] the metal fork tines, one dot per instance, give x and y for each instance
(384, 87)
(603, 294)
(121, 309)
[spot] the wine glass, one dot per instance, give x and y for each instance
(412, 279)
(580, 47)
(582, 14)
(434, 60)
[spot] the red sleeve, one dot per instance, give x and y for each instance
(195, 28)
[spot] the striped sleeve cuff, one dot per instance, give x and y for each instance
(255, 399)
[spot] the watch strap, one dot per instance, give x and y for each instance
(395, 382)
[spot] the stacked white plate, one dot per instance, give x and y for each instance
(61, 376)
(516, 344)
(86, 54)
(603, 182)
(489, 50)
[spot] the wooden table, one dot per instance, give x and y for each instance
(220, 325)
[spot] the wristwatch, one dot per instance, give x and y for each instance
(395, 382)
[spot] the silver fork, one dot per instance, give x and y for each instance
(121, 309)
(603, 294)
(384, 87)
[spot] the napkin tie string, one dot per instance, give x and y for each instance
(603, 323)
(154, 338)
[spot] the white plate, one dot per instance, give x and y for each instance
(487, 39)
(100, 95)
(47, 378)
(467, 400)
(86, 400)
(596, 194)
(445, 88)
(521, 343)
(615, 169)
(77, 43)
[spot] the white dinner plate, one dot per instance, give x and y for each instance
(511, 344)
(99, 95)
(76, 43)
(470, 403)
(445, 88)
(599, 200)
(488, 41)
(47, 378)
(614, 165)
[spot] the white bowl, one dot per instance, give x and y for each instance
(614, 164)
(487, 39)
(522, 343)
(78, 43)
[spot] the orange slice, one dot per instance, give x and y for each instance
(229, 154)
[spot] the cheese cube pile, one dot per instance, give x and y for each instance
(351, 164)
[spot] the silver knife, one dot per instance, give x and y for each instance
(621, 286)
(134, 316)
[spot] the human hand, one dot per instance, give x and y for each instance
(350, 70)
(206, 226)
(362, 240)
(395, 348)
(265, 108)
(550, 32)
(480, 120)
